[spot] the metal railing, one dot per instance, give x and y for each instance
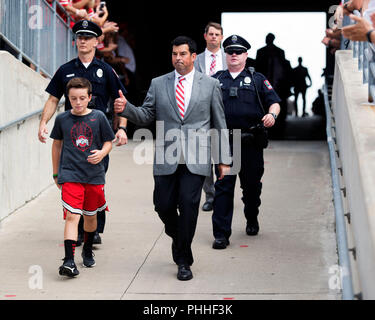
(365, 53)
(37, 32)
(20, 121)
(341, 232)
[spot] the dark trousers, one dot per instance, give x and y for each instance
(209, 188)
(100, 217)
(252, 169)
(176, 199)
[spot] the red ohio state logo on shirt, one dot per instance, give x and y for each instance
(81, 135)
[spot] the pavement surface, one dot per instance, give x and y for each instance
(292, 257)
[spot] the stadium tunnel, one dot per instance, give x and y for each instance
(154, 25)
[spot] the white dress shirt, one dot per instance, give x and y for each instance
(188, 85)
(208, 60)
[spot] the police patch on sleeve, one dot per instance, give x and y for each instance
(268, 85)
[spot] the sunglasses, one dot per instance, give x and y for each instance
(236, 51)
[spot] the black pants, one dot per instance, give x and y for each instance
(100, 217)
(209, 188)
(252, 169)
(181, 190)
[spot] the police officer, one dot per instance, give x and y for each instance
(105, 85)
(243, 110)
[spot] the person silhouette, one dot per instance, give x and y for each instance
(300, 74)
(318, 107)
(270, 61)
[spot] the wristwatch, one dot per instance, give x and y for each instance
(123, 128)
(273, 115)
(368, 35)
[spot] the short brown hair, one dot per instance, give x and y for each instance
(79, 83)
(180, 40)
(215, 25)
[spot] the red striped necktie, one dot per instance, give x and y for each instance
(213, 65)
(180, 96)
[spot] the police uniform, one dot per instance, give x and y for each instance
(104, 80)
(242, 111)
(105, 83)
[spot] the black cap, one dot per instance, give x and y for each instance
(236, 42)
(87, 28)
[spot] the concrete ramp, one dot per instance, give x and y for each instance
(292, 257)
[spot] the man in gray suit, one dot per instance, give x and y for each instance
(209, 62)
(187, 105)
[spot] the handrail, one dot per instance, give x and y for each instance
(21, 120)
(28, 116)
(341, 234)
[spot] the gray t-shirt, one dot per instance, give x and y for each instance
(81, 135)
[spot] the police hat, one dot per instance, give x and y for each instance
(236, 42)
(87, 28)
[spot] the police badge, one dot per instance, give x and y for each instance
(99, 73)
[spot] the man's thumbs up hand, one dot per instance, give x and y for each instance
(120, 103)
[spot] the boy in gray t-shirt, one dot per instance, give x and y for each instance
(82, 138)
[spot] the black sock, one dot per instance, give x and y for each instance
(88, 239)
(70, 248)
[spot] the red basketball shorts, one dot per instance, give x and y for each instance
(83, 198)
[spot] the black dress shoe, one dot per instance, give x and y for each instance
(220, 243)
(184, 273)
(207, 206)
(97, 239)
(252, 229)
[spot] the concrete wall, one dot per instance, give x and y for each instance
(355, 131)
(25, 163)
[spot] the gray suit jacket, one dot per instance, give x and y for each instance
(200, 62)
(188, 138)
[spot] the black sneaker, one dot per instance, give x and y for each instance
(88, 258)
(68, 268)
(97, 239)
